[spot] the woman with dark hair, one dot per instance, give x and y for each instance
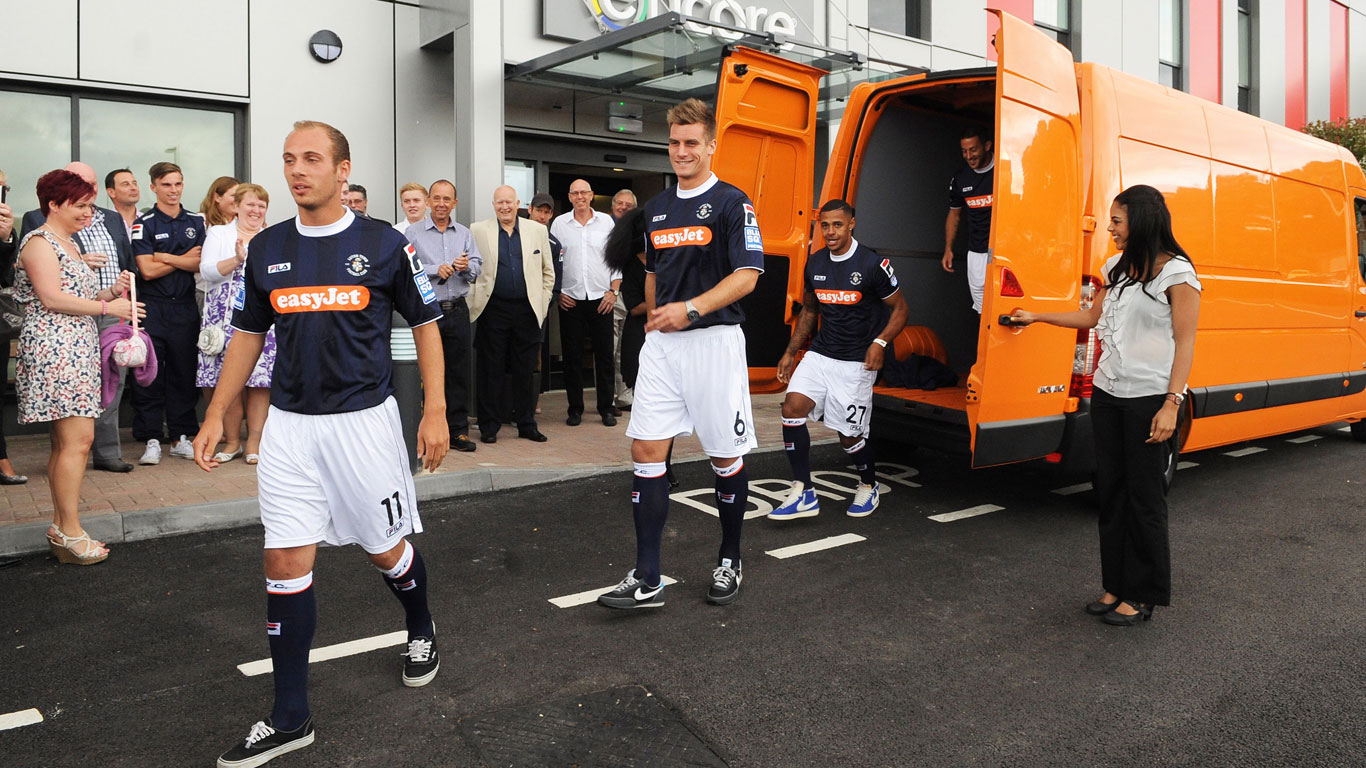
(1145, 317)
(58, 371)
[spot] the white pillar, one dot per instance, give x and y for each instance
(1271, 60)
(1318, 60)
(478, 136)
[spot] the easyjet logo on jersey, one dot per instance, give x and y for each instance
(839, 297)
(321, 298)
(981, 201)
(673, 238)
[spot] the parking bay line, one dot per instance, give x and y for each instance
(327, 653)
(20, 719)
(829, 542)
(1186, 465)
(1304, 439)
(1071, 489)
(980, 509)
(1241, 452)
(581, 598)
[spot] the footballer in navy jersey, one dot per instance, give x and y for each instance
(333, 466)
(330, 295)
(703, 253)
(972, 189)
(854, 293)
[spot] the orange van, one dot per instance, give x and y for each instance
(1272, 218)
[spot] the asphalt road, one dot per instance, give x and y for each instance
(926, 643)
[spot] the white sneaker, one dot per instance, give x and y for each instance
(153, 453)
(183, 448)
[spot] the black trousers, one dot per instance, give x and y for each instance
(455, 347)
(507, 337)
(1135, 557)
(584, 321)
(172, 396)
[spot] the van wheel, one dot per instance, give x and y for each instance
(1359, 431)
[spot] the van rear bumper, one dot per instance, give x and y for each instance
(922, 425)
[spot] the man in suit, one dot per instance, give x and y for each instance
(509, 300)
(106, 249)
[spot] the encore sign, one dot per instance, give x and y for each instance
(616, 14)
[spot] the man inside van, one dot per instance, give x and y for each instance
(971, 187)
(855, 294)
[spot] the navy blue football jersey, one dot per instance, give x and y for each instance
(332, 299)
(973, 190)
(155, 232)
(850, 291)
(695, 238)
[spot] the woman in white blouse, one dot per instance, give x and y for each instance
(1145, 318)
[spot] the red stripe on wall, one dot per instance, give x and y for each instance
(1206, 45)
(1021, 8)
(1337, 33)
(1296, 105)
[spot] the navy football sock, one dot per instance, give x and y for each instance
(732, 497)
(291, 617)
(650, 507)
(862, 454)
(797, 441)
(408, 580)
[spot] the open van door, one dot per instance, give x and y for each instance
(766, 146)
(1018, 389)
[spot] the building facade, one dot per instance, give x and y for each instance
(428, 90)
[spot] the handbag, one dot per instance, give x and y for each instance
(11, 314)
(131, 352)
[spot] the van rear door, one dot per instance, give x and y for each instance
(766, 146)
(1018, 389)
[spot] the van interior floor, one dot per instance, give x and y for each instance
(948, 398)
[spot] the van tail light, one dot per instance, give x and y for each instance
(1088, 346)
(1010, 285)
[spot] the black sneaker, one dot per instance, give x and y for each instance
(633, 593)
(422, 661)
(725, 584)
(264, 744)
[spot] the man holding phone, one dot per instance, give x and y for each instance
(453, 263)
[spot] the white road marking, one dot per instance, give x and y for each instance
(581, 598)
(20, 719)
(829, 542)
(1302, 439)
(1248, 451)
(980, 509)
(1071, 489)
(1347, 428)
(327, 653)
(1186, 465)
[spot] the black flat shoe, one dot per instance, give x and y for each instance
(533, 434)
(112, 465)
(609, 420)
(13, 479)
(488, 437)
(574, 420)
(463, 443)
(1115, 619)
(1099, 608)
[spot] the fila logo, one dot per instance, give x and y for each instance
(635, 497)
(839, 297)
(273, 268)
(818, 278)
(407, 585)
(321, 298)
(672, 238)
(726, 498)
(967, 189)
(136, 234)
(981, 201)
(660, 217)
(273, 628)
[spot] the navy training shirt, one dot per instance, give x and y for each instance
(695, 238)
(331, 295)
(973, 189)
(850, 291)
(155, 232)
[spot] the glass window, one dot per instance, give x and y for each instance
(903, 17)
(121, 134)
(1053, 19)
(1171, 49)
(1247, 56)
(1361, 236)
(37, 131)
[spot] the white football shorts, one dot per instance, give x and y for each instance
(841, 389)
(340, 478)
(977, 278)
(695, 380)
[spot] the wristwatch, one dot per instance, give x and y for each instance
(693, 314)
(1176, 397)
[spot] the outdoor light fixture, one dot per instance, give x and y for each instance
(325, 46)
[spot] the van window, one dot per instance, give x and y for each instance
(1361, 236)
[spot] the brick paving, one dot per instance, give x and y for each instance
(178, 482)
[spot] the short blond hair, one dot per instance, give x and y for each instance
(412, 186)
(341, 148)
(692, 112)
(256, 189)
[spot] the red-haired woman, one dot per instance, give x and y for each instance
(57, 374)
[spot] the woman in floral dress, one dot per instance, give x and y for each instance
(57, 375)
(222, 266)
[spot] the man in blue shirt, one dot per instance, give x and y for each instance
(334, 466)
(452, 262)
(167, 241)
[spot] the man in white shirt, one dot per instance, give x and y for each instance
(588, 293)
